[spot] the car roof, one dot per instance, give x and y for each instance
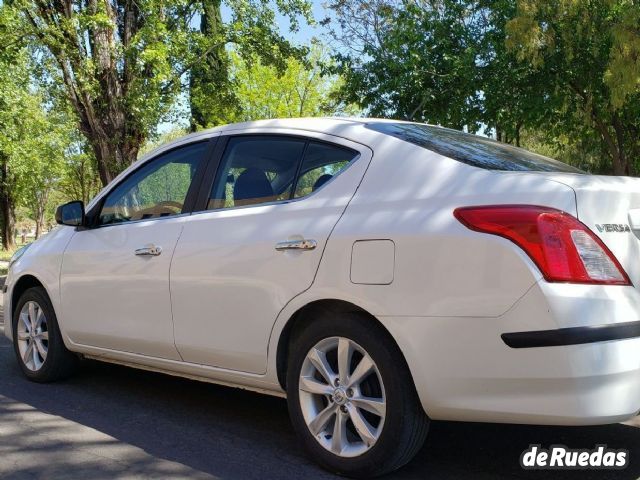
(329, 125)
(320, 124)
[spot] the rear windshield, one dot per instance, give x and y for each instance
(473, 150)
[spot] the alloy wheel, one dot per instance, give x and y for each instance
(342, 396)
(33, 336)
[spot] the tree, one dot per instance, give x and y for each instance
(34, 134)
(40, 157)
(19, 111)
(211, 95)
(301, 89)
(79, 179)
(35, 151)
(414, 60)
(123, 62)
(40, 174)
(32, 146)
(162, 139)
(568, 68)
(589, 54)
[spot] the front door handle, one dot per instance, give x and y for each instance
(149, 251)
(303, 244)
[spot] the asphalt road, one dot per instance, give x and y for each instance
(111, 422)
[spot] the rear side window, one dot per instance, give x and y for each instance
(269, 168)
(321, 163)
(256, 169)
(473, 150)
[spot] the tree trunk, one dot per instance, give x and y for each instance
(498, 134)
(41, 205)
(621, 143)
(115, 151)
(104, 118)
(7, 209)
(8, 223)
(615, 143)
(621, 165)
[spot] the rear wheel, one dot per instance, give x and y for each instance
(37, 340)
(351, 397)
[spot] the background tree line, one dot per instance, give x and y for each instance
(84, 84)
(561, 77)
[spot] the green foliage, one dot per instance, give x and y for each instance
(84, 84)
(568, 68)
(252, 34)
(589, 55)
(124, 64)
(301, 89)
(211, 97)
(33, 141)
(309, 179)
(413, 59)
(166, 137)
(79, 179)
(166, 185)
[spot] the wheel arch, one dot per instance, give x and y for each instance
(24, 283)
(307, 314)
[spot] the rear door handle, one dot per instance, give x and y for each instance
(303, 244)
(149, 251)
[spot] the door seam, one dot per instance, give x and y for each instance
(173, 322)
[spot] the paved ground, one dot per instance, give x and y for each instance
(112, 422)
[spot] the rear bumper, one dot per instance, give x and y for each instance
(583, 374)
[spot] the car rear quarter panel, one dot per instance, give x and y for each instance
(441, 268)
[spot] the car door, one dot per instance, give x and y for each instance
(258, 244)
(115, 275)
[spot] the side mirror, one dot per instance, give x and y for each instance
(71, 214)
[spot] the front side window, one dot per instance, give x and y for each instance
(263, 169)
(158, 189)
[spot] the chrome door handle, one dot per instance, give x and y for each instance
(149, 251)
(303, 244)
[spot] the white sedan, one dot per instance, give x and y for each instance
(377, 273)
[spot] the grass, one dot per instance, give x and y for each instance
(5, 255)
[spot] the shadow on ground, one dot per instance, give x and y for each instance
(230, 433)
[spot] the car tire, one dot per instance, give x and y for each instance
(392, 435)
(42, 355)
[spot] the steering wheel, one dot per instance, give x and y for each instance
(169, 204)
(160, 209)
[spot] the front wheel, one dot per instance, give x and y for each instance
(351, 397)
(37, 341)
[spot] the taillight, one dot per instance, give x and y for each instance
(563, 248)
